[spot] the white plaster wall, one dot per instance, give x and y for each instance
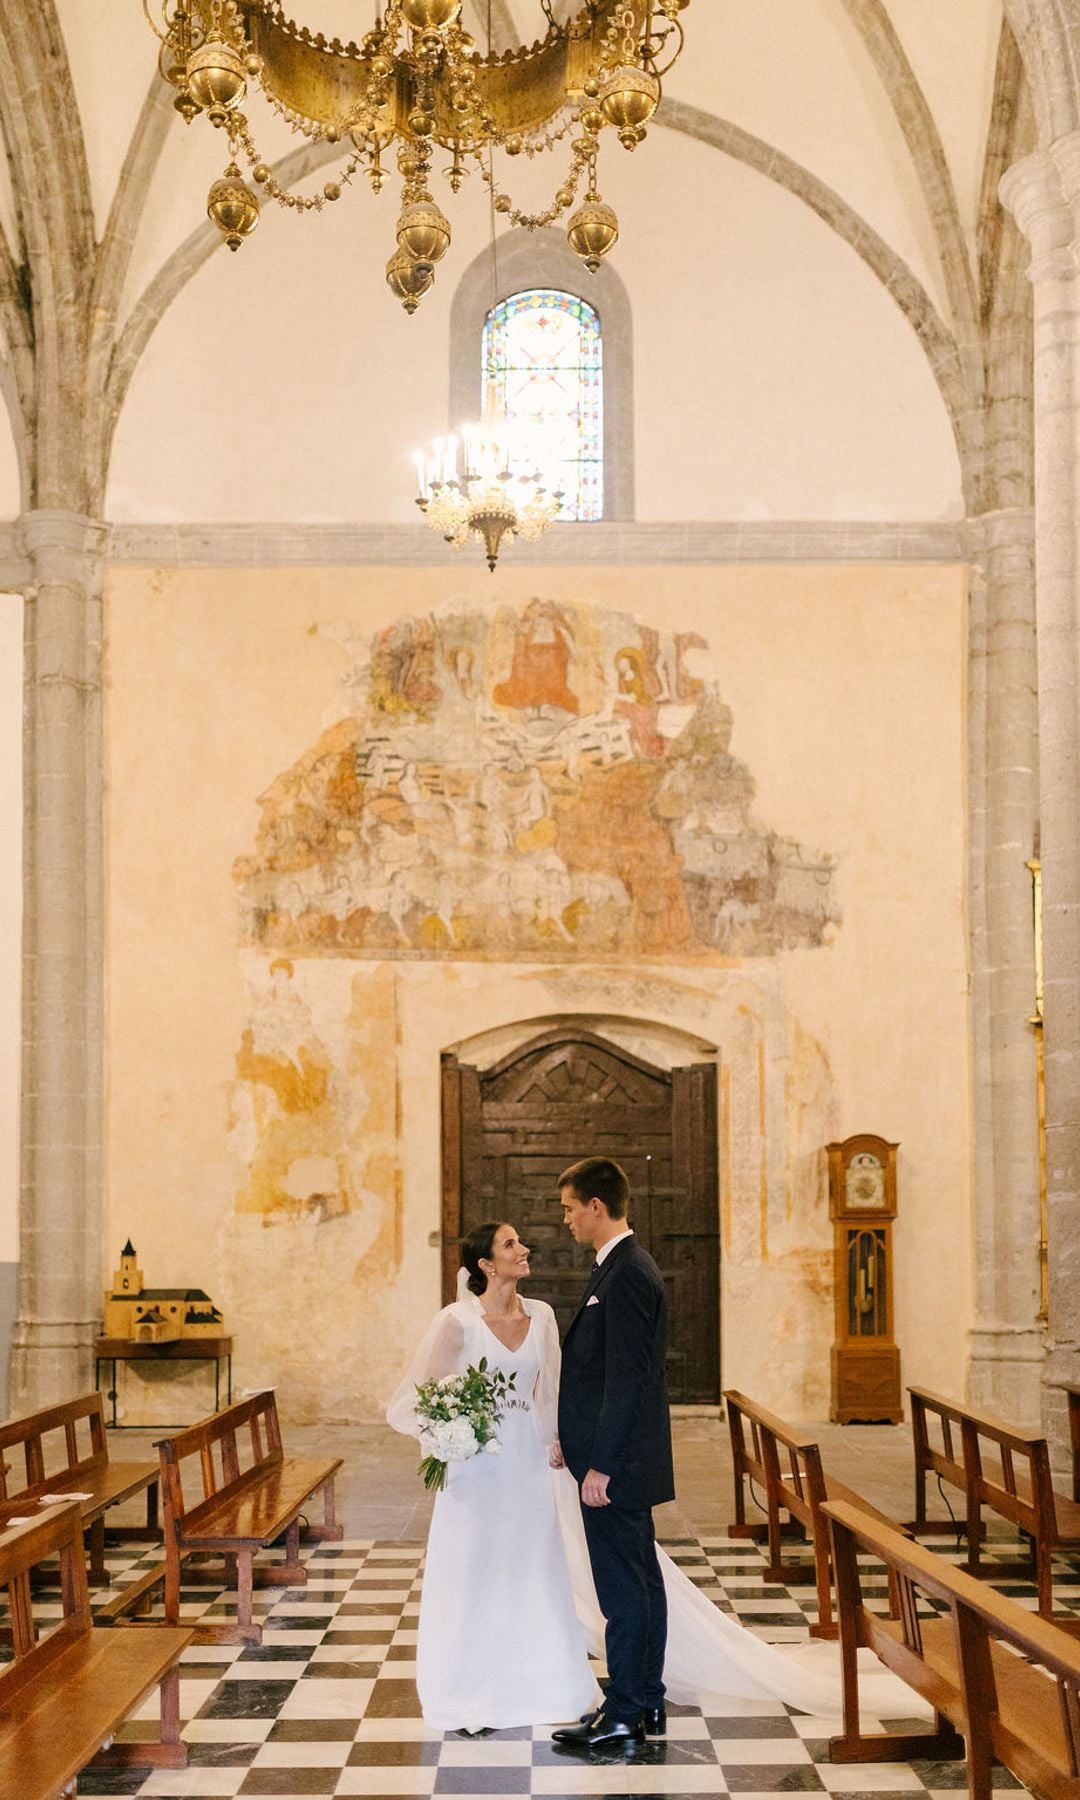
(10, 485)
(783, 382)
(774, 377)
(846, 688)
(11, 674)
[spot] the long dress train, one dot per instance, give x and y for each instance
(507, 1569)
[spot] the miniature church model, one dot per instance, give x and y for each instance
(156, 1315)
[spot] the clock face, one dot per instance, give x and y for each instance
(864, 1183)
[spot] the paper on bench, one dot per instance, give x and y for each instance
(55, 1499)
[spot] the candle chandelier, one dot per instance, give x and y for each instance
(494, 491)
(417, 90)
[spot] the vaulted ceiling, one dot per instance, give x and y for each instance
(823, 147)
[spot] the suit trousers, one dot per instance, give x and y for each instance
(630, 1589)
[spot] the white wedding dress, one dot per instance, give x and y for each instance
(499, 1643)
(508, 1608)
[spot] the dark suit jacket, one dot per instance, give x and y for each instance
(613, 1405)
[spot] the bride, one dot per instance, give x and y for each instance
(508, 1610)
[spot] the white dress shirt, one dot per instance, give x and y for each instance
(611, 1243)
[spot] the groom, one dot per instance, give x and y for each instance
(615, 1435)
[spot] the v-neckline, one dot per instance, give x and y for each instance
(498, 1339)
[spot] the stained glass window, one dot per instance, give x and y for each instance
(543, 350)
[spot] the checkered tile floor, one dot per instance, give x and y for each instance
(327, 1703)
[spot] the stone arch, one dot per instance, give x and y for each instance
(1048, 33)
(529, 259)
(917, 122)
(654, 1040)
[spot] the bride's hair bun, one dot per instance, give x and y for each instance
(479, 1244)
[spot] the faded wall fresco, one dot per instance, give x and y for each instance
(293, 1105)
(549, 781)
(477, 821)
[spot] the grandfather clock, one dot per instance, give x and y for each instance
(862, 1206)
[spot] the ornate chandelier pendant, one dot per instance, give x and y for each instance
(418, 87)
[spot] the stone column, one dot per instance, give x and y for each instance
(1043, 193)
(1007, 1339)
(60, 1202)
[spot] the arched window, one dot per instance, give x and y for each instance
(542, 262)
(543, 351)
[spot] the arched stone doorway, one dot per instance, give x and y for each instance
(510, 1129)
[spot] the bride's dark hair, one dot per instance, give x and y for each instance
(479, 1243)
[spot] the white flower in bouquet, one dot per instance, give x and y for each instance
(454, 1441)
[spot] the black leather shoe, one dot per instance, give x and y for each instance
(599, 1732)
(654, 1719)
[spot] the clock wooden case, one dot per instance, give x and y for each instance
(862, 1206)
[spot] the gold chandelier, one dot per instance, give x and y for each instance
(417, 87)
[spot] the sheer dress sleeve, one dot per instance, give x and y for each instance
(440, 1352)
(546, 1392)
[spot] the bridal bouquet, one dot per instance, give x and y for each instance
(458, 1415)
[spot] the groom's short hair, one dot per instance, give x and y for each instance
(598, 1178)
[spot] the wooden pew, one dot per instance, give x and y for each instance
(249, 1494)
(963, 1662)
(64, 1450)
(64, 1694)
(943, 1458)
(987, 1474)
(787, 1465)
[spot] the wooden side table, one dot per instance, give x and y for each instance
(113, 1350)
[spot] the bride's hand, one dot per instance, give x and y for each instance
(555, 1456)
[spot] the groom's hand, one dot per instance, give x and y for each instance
(594, 1489)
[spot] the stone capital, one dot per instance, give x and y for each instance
(63, 547)
(1033, 191)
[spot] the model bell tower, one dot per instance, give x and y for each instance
(128, 1279)
(126, 1288)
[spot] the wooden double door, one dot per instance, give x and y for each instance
(508, 1133)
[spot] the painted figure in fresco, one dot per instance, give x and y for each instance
(403, 669)
(539, 671)
(640, 688)
(299, 1162)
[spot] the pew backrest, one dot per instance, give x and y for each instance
(230, 1448)
(60, 1440)
(57, 1533)
(785, 1460)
